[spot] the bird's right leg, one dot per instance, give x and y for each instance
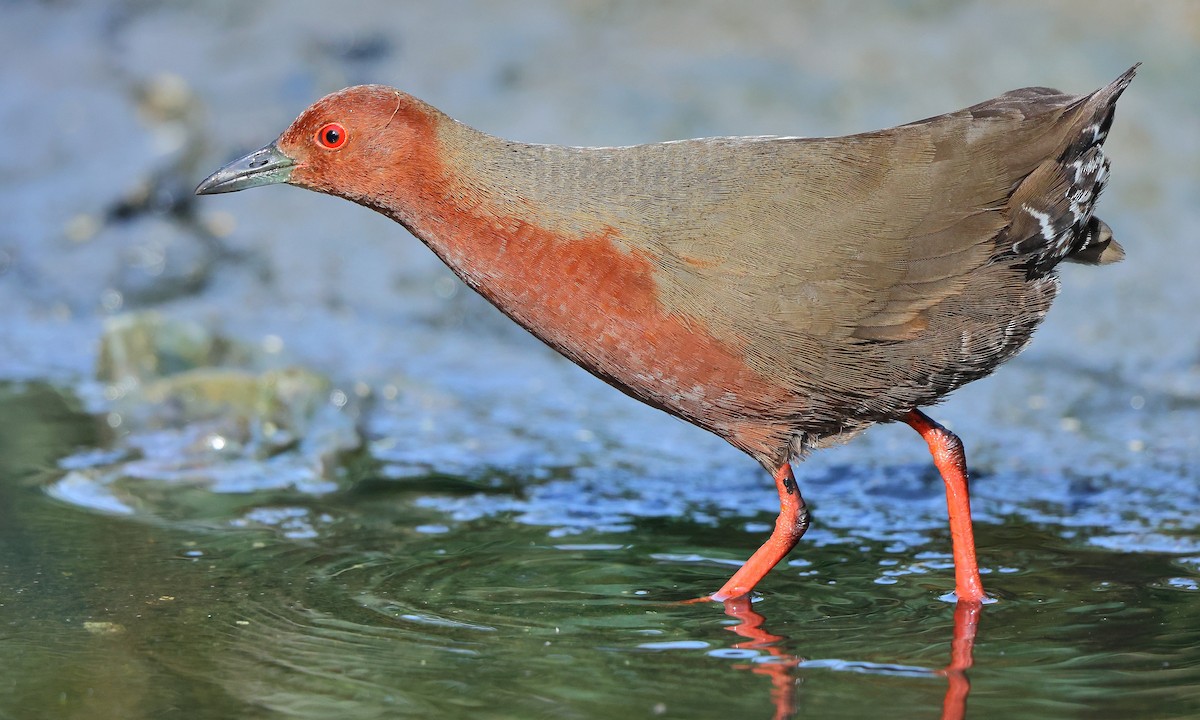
(789, 527)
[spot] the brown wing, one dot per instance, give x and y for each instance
(821, 242)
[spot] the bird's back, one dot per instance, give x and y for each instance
(868, 274)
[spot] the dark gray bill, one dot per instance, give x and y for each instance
(261, 167)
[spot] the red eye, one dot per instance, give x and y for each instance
(332, 136)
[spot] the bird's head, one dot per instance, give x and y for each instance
(356, 143)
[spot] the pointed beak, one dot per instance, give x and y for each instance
(261, 167)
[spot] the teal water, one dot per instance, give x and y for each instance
(368, 603)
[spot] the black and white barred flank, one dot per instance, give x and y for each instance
(1052, 218)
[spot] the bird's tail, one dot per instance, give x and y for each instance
(1055, 202)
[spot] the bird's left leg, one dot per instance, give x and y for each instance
(951, 462)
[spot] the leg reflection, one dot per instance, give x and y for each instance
(781, 668)
(962, 656)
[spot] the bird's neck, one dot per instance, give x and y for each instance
(503, 218)
(490, 209)
(530, 229)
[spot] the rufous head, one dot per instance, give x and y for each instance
(352, 143)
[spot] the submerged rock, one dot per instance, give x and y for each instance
(189, 406)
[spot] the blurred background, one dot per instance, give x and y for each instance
(264, 454)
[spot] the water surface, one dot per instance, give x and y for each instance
(367, 602)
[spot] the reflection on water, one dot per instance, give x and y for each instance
(765, 653)
(387, 607)
(768, 658)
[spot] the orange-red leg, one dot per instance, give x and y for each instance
(951, 462)
(789, 526)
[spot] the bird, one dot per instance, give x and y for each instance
(784, 293)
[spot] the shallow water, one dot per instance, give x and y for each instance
(368, 602)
